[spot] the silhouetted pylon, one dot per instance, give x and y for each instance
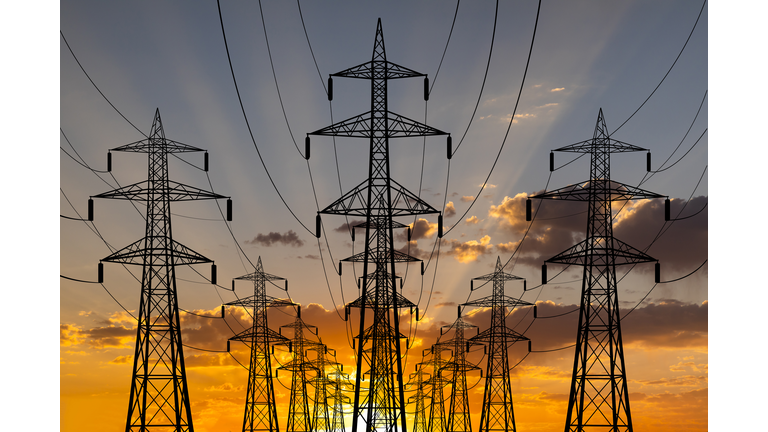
(458, 412)
(419, 379)
(260, 407)
(436, 384)
(599, 399)
(378, 199)
(159, 396)
(497, 413)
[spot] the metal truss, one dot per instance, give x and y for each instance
(299, 413)
(598, 398)
(420, 380)
(497, 413)
(159, 396)
(260, 407)
(379, 198)
(437, 421)
(458, 411)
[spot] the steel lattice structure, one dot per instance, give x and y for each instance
(260, 409)
(339, 381)
(436, 420)
(420, 421)
(320, 414)
(159, 397)
(299, 413)
(498, 412)
(458, 411)
(599, 399)
(379, 199)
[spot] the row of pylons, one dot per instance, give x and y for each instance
(159, 397)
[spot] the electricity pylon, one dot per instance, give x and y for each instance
(497, 413)
(159, 397)
(378, 199)
(599, 399)
(299, 414)
(339, 381)
(420, 380)
(260, 408)
(458, 411)
(437, 420)
(320, 415)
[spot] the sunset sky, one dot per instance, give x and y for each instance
(595, 55)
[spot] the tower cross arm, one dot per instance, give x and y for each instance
(498, 334)
(580, 253)
(587, 190)
(263, 333)
(397, 126)
(176, 254)
(143, 192)
(491, 301)
(601, 144)
(366, 71)
(152, 144)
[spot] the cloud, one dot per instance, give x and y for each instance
(450, 210)
(466, 198)
(472, 220)
(470, 250)
(121, 360)
(557, 89)
(422, 228)
(346, 227)
(289, 239)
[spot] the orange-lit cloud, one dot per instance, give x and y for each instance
(466, 198)
(470, 250)
(472, 220)
(450, 210)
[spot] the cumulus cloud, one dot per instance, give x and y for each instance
(472, 220)
(289, 239)
(467, 198)
(347, 226)
(422, 228)
(450, 210)
(557, 89)
(470, 250)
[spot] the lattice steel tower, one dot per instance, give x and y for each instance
(378, 199)
(436, 421)
(159, 397)
(260, 409)
(497, 413)
(458, 411)
(299, 413)
(599, 399)
(420, 422)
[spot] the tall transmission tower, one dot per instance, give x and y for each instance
(599, 399)
(458, 412)
(159, 397)
(378, 199)
(420, 380)
(497, 413)
(260, 408)
(299, 414)
(436, 421)
(320, 414)
(339, 381)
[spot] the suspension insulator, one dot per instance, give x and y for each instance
(535, 311)
(426, 88)
(109, 161)
(648, 162)
(346, 314)
(467, 346)
(90, 209)
(667, 210)
(213, 274)
(528, 210)
(409, 233)
(233, 285)
(286, 285)
(525, 285)
(401, 287)
(330, 88)
(353, 234)
(358, 284)
(205, 161)
(658, 273)
(471, 285)
(101, 273)
(440, 225)
(318, 226)
(422, 268)
(229, 209)
(222, 311)
(543, 274)
(339, 268)
(306, 148)
(529, 345)
(450, 147)
(417, 314)
(227, 346)
(290, 347)
(298, 312)
(551, 161)
(458, 310)
(353, 343)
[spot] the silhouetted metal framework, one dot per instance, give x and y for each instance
(497, 413)
(599, 399)
(419, 379)
(339, 382)
(379, 199)
(436, 421)
(299, 413)
(321, 382)
(260, 408)
(159, 397)
(458, 411)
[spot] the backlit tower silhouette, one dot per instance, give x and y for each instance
(159, 397)
(458, 411)
(599, 399)
(497, 413)
(339, 382)
(260, 409)
(436, 420)
(378, 199)
(420, 421)
(320, 415)
(299, 414)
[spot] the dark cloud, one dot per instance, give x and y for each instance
(422, 228)
(450, 210)
(289, 239)
(346, 227)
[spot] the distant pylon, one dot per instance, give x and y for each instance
(339, 382)
(599, 399)
(260, 407)
(159, 397)
(378, 199)
(458, 412)
(420, 421)
(436, 420)
(497, 413)
(299, 414)
(320, 415)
